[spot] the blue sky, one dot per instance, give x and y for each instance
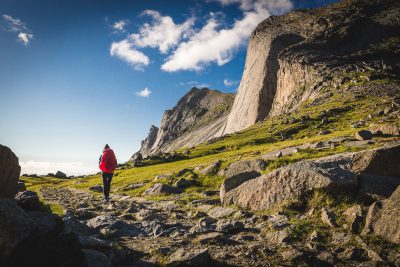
(77, 74)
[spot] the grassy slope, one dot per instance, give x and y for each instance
(252, 142)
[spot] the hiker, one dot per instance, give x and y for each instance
(107, 164)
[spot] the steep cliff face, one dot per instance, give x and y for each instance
(197, 117)
(290, 57)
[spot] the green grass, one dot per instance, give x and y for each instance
(340, 109)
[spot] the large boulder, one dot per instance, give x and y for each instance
(158, 189)
(385, 129)
(15, 226)
(28, 200)
(240, 172)
(60, 174)
(9, 172)
(383, 218)
(337, 172)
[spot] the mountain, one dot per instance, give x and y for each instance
(291, 58)
(197, 117)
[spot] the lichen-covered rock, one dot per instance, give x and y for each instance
(212, 168)
(385, 129)
(336, 172)
(158, 189)
(9, 172)
(240, 172)
(15, 226)
(383, 218)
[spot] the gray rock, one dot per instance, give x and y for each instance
(102, 221)
(240, 172)
(328, 217)
(147, 144)
(385, 129)
(158, 189)
(213, 237)
(354, 217)
(211, 169)
(221, 212)
(183, 172)
(60, 174)
(190, 257)
(359, 143)
(46, 222)
(92, 242)
(383, 218)
(96, 188)
(277, 237)
(21, 186)
(28, 200)
(229, 226)
(95, 258)
(333, 173)
(363, 135)
(9, 172)
(183, 183)
(16, 226)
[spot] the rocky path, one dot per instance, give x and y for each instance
(133, 231)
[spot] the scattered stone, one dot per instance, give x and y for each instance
(162, 176)
(96, 188)
(328, 217)
(213, 237)
(92, 242)
(371, 253)
(229, 226)
(278, 221)
(277, 237)
(95, 258)
(221, 212)
(352, 254)
(363, 135)
(340, 238)
(279, 155)
(183, 172)
(60, 174)
(28, 200)
(190, 257)
(385, 129)
(158, 189)
(314, 237)
(183, 183)
(15, 224)
(354, 217)
(212, 169)
(9, 172)
(383, 218)
(133, 186)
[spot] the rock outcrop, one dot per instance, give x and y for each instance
(9, 172)
(197, 117)
(383, 218)
(289, 58)
(337, 172)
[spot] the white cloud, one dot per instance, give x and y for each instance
(11, 24)
(144, 93)
(25, 37)
(216, 44)
(161, 33)
(119, 26)
(45, 167)
(228, 82)
(194, 84)
(125, 51)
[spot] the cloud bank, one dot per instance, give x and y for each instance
(45, 167)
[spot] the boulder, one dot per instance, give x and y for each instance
(21, 186)
(46, 222)
(212, 168)
(220, 212)
(383, 218)
(60, 174)
(9, 172)
(333, 173)
(240, 172)
(385, 129)
(190, 257)
(15, 226)
(183, 183)
(96, 188)
(363, 135)
(95, 258)
(28, 200)
(158, 189)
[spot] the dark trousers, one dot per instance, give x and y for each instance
(107, 177)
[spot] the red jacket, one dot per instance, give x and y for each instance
(108, 162)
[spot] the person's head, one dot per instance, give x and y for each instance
(106, 146)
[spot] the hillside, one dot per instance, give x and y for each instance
(306, 172)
